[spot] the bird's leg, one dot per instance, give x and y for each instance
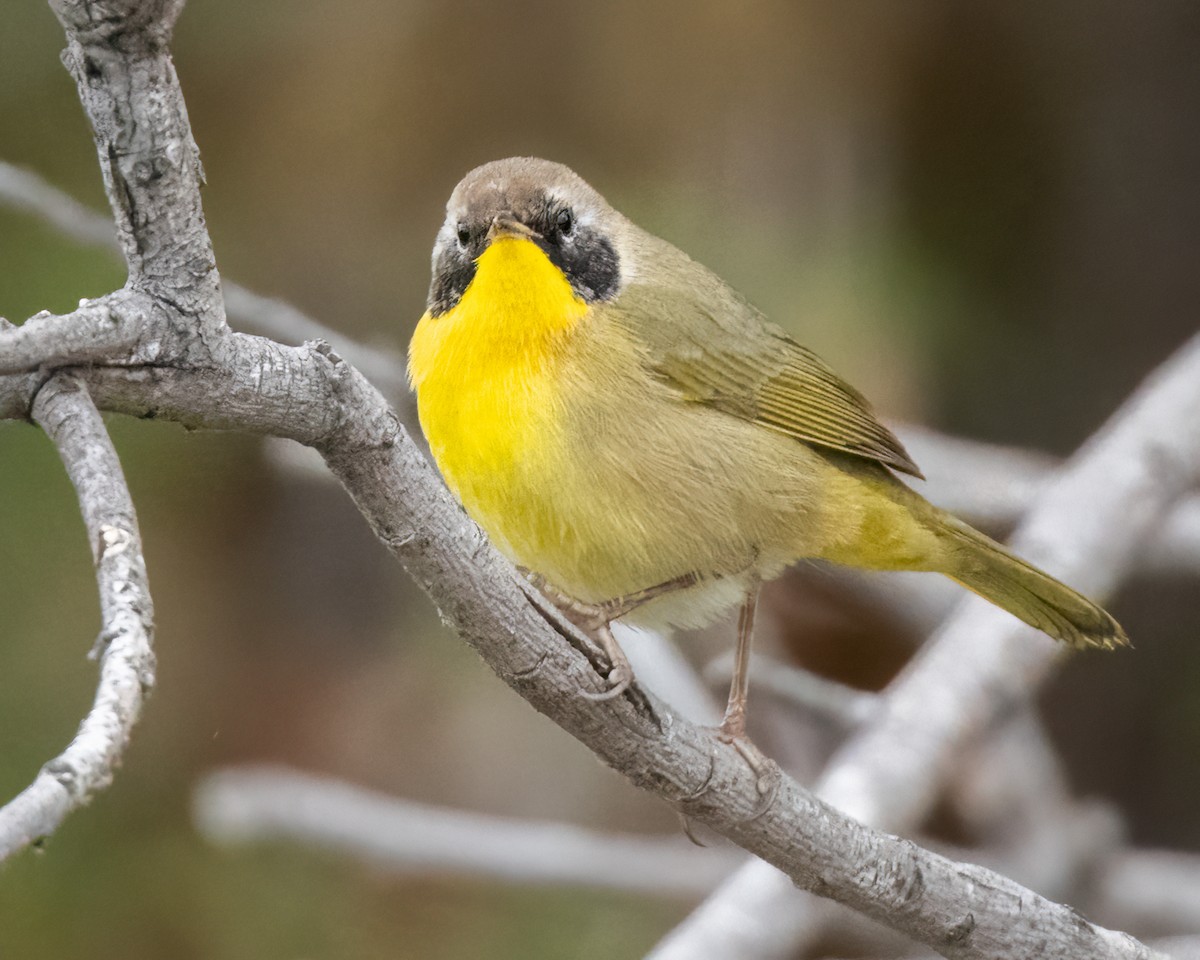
(618, 607)
(620, 671)
(595, 619)
(733, 725)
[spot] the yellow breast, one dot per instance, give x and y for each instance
(580, 464)
(487, 381)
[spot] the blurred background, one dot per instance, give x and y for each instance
(985, 215)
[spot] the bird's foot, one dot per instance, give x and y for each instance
(766, 771)
(620, 671)
(594, 619)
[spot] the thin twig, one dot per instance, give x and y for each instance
(1158, 890)
(65, 411)
(819, 697)
(30, 193)
(995, 485)
(262, 803)
(284, 322)
(1179, 948)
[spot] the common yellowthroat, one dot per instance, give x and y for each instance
(631, 430)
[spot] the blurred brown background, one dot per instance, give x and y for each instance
(986, 215)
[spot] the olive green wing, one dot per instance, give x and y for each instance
(715, 348)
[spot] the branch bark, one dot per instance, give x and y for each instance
(541, 656)
(203, 375)
(65, 411)
(26, 191)
(985, 483)
(1085, 529)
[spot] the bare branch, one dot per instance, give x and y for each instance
(281, 320)
(65, 411)
(1179, 948)
(28, 192)
(817, 696)
(1156, 890)
(986, 483)
(118, 55)
(1176, 948)
(128, 86)
(23, 348)
(989, 483)
(1011, 796)
(262, 803)
(658, 664)
(995, 485)
(1086, 529)
(311, 395)
(115, 328)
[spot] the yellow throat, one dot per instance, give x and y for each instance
(487, 376)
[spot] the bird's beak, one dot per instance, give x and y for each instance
(506, 225)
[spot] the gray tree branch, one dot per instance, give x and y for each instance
(1085, 529)
(546, 661)
(28, 192)
(986, 483)
(1159, 890)
(244, 804)
(63, 409)
(204, 375)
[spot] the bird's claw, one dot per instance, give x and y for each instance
(618, 679)
(766, 771)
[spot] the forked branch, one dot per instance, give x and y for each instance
(203, 375)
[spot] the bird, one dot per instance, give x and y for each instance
(648, 446)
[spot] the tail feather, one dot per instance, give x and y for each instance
(985, 567)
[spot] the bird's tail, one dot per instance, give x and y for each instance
(985, 567)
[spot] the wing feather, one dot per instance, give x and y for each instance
(715, 348)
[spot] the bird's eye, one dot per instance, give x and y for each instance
(565, 221)
(464, 236)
